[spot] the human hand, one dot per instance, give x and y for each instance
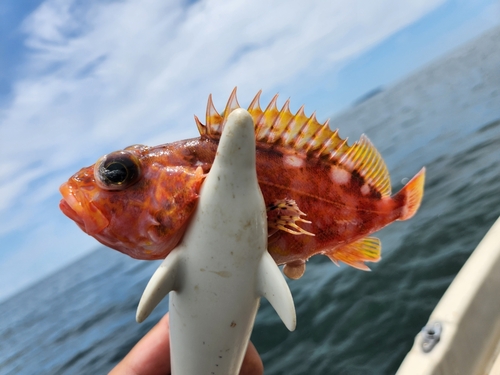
(151, 355)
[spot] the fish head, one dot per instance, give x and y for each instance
(133, 200)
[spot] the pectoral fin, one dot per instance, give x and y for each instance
(284, 215)
(272, 285)
(294, 270)
(366, 249)
(161, 283)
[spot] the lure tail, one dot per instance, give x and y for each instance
(411, 194)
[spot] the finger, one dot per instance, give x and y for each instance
(151, 355)
(252, 364)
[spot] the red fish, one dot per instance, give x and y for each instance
(323, 196)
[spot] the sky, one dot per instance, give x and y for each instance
(79, 79)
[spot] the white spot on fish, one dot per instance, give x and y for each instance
(293, 161)
(365, 189)
(339, 175)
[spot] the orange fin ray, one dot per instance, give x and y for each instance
(201, 128)
(354, 254)
(413, 193)
(266, 120)
(254, 108)
(280, 124)
(304, 134)
(284, 215)
(231, 105)
(364, 158)
(213, 118)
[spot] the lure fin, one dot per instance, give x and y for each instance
(162, 282)
(304, 134)
(272, 285)
(284, 215)
(354, 254)
(412, 192)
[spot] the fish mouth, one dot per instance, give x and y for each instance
(81, 210)
(69, 212)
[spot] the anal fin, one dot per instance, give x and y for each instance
(354, 254)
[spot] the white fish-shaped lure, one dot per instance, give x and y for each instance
(221, 267)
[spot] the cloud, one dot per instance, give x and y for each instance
(103, 75)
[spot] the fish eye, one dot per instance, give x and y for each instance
(117, 171)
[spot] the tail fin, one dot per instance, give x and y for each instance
(412, 192)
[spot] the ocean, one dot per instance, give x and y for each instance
(446, 116)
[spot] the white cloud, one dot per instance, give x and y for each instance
(103, 75)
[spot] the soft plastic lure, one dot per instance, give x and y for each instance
(139, 200)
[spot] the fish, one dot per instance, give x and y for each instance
(322, 195)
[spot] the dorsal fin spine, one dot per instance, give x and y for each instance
(304, 134)
(323, 150)
(267, 120)
(255, 110)
(295, 126)
(340, 146)
(314, 141)
(255, 104)
(325, 136)
(213, 119)
(231, 105)
(201, 128)
(281, 123)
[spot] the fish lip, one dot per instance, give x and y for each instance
(69, 212)
(79, 208)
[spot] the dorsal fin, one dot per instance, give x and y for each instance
(303, 134)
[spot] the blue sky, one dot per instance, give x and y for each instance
(79, 79)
